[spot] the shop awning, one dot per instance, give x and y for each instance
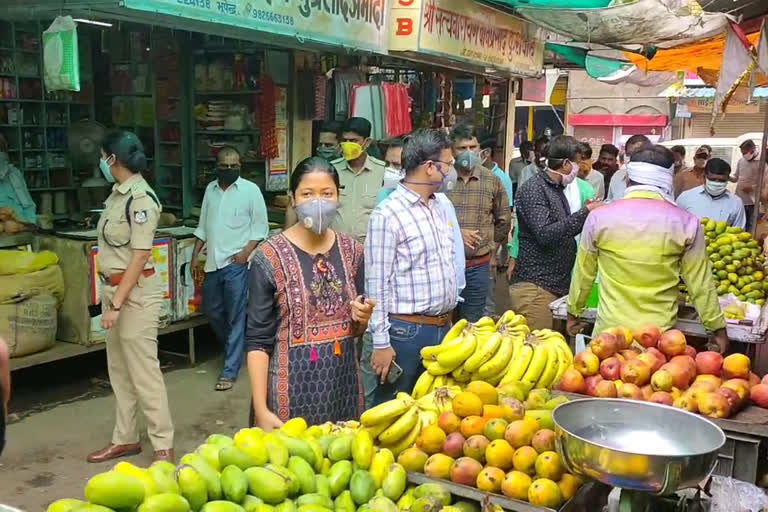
(290, 24)
(617, 120)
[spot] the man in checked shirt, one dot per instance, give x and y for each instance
(482, 208)
(409, 263)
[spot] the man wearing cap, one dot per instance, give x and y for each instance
(693, 177)
(643, 244)
(712, 199)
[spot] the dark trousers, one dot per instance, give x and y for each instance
(225, 294)
(749, 211)
(407, 339)
(475, 292)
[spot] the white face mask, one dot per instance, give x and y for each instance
(715, 188)
(571, 176)
(392, 177)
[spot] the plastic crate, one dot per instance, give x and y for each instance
(738, 457)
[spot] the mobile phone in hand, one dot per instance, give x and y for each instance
(394, 372)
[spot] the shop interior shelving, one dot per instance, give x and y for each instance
(35, 122)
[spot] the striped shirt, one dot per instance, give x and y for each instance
(409, 261)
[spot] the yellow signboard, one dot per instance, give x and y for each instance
(467, 31)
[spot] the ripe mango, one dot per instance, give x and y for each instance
(267, 485)
(278, 453)
(142, 474)
(294, 427)
(394, 482)
(192, 486)
(69, 505)
(221, 506)
(115, 490)
(379, 464)
(164, 502)
(362, 486)
(234, 484)
(304, 473)
(209, 474)
(344, 502)
(339, 476)
(362, 449)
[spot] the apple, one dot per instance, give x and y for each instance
(740, 386)
(714, 379)
(610, 368)
(572, 381)
(686, 402)
(661, 397)
(659, 355)
(605, 389)
(662, 381)
(713, 405)
(672, 342)
(630, 353)
(764, 379)
(647, 391)
(650, 359)
(687, 362)
(618, 383)
(759, 395)
(701, 388)
(736, 366)
(604, 345)
(754, 380)
(630, 391)
(647, 335)
(680, 375)
(709, 363)
(623, 336)
(636, 372)
(586, 363)
(690, 351)
(590, 384)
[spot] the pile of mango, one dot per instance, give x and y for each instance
(322, 468)
(737, 262)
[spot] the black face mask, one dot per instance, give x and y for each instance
(227, 176)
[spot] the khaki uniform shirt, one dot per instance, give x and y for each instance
(117, 235)
(357, 197)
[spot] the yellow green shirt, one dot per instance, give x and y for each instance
(643, 245)
(357, 197)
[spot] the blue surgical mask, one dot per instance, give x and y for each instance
(715, 188)
(104, 166)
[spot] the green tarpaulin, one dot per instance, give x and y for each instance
(559, 4)
(596, 67)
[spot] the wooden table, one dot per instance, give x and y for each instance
(64, 350)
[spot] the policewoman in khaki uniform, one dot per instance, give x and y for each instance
(131, 301)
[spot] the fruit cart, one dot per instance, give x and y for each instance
(619, 443)
(585, 497)
(688, 322)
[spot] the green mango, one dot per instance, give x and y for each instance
(299, 448)
(313, 508)
(433, 490)
(341, 448)
(115, 490)
(339, 476)
(324, 442)
(383, 504)
(192, 486)
(90, 507)
(165, 502)
(304, 473)
(322, 484)
(286, 506)
(316, 450)
(278, 453)
(234, 484)
(210, 453)
(362, 486)
(65, 505)
(164, 482)
(344, 502)
(394, 482)
(362, 449)
(467, 506)
(292, 480)
(221, 506)
(220, 440)
(315, 499)
(426, 504)
(234, 456)
(268, 485)
(210, 475)
(251, 503)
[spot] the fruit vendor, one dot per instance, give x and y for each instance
(409, 264)
(712, 199)
(642, 245)
(305, 310)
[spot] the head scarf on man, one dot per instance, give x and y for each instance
(653, 168)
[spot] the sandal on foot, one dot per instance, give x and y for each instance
(224, 384)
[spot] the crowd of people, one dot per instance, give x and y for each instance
(377, 258)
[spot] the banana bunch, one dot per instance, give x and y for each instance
(427, 383)
(397, 423)
(512, 323)
(540, 361)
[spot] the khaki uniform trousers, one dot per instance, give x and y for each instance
(134, 369)
(532, 302)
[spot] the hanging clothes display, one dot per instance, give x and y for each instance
(343, 81)
(397, 109)
(367, 101)
(305, 93)
(320, 83)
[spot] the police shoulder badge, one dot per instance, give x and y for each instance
(140, 216)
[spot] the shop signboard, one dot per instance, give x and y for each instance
(735, 106)
(357, 24)
(466, 31)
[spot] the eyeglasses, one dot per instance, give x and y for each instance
(229, 166)
(451, 164)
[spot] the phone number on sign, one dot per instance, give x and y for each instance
(280, 19)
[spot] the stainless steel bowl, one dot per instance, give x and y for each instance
(636, 445)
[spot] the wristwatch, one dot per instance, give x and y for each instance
(113, 307)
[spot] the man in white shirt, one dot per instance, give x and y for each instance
(233, 220)
(712, 199)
